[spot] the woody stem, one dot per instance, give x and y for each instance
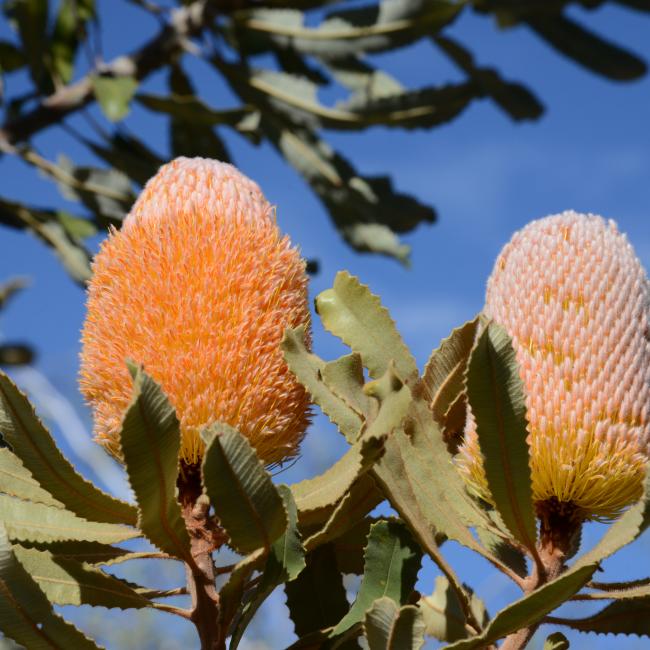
(560, 525)
(201, 577)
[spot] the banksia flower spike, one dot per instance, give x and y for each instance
(576, 301)
(198, 286)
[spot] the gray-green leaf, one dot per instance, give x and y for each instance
(392, 561)
(390, 627)
(36, 522)
(350, 311)
(26, 616)
(241, 492)
(40, 456)
(496, 396)
(150, 441)
(68, 582)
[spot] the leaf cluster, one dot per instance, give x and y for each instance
(60, 534)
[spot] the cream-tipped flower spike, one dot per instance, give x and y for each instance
(199, 286)
(576, 301)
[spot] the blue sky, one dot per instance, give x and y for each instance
(485, 175)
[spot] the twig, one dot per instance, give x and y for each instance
(167, 593)
(619, 586)
(205, 537)
(186, 22)
(226, 568)
(559, 527)
(170, 609)
(56, 172)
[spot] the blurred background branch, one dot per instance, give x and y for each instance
(278, 58)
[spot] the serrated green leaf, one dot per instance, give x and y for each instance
(390, 627)
(348, 310)
(392, 561)
(11, 57)
(619, 590)
(36, 449)
(350, 546)
(444, 374)
(150, 441)
(443, 615)
(36, 522)
(308, 369)
(248, 505)
(287, 553)
(26, 616)
(496, 395)
(327, 489)
(344, 376)
(556, 641)
(588, 49)
(316, 598)
(296, 98)
(285, 562)
(530, 609)
(362, 497)
(291, 61)
(17, 481)
(114, 95)
(394, 399)
(83, 551)
(620, 617)
(424, 487)
(533, 607)
(422, 108)
(356, 74)
(68, 582)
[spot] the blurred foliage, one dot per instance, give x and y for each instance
(276, 56)
(13, 353)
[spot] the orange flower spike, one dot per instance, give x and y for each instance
(198, 286)
(576, 301)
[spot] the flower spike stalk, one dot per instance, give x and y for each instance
(575, 300)
(199, 286)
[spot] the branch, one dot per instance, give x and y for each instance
(185, 23)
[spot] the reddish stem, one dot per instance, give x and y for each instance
(205, 538)
(560, 525)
